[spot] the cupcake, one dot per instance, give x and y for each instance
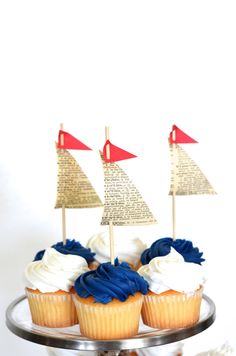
(175, 291)
(127, 249)
(161, 247)
(71, 247)
(49, 288)
(109, 300)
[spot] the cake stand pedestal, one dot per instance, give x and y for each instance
(18, 320)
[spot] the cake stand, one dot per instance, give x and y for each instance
(18, 320)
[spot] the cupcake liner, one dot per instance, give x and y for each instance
(134, 266)
(139, 264)
(171, 310)
(93, 265)
(114, 320)
(53, 310)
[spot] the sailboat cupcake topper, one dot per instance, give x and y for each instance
(124, 205)
(186, 176)
(74, 189)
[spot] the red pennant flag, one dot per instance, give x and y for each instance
(116, 153)
(178, 136)
(67, 141)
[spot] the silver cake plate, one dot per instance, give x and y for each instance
(18, 320)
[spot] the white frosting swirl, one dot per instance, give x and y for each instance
(171, 272)
(223, 350)
(173, 349)
(127, 248)
(54, 272)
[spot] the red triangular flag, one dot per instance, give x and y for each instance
(116, 153)
(178, 136)
(70, 142)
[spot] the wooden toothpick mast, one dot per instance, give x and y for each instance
(174, 187)
(63, 210)
(187, 178)
(123, 203)
(74, 190)
(111, 231)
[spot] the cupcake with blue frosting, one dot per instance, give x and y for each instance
(109, 300)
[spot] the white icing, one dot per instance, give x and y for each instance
(173, 349)
(127, 248)
(54, 272)
(223, 350)
(171, 272)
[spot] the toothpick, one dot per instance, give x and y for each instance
(63, 224)
(174, 187)
(111, 235)
(61, 136)
(107, 146)
(63, 206)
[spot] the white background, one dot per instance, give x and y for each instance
(139, 67)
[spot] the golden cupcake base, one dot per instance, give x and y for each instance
(19, 322)
(115, 320)
(171, 310)
(54, 310)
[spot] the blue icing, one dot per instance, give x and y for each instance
(72, 247)
(109, 281)
(161, 247)
(39, 255)
(189, 253)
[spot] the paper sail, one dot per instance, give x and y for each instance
(124, 204)
(116, 153)
(186, 176)
(74, 190)
(178, 136)
(67, 141)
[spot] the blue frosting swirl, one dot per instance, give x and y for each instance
(109, 281)
(72, 247)
(161, 247)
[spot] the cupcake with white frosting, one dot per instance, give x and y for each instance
(175, 291)
(126, 248)
(49, 288)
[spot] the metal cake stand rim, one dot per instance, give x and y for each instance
(155, 337)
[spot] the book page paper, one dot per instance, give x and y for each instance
(74, 190)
